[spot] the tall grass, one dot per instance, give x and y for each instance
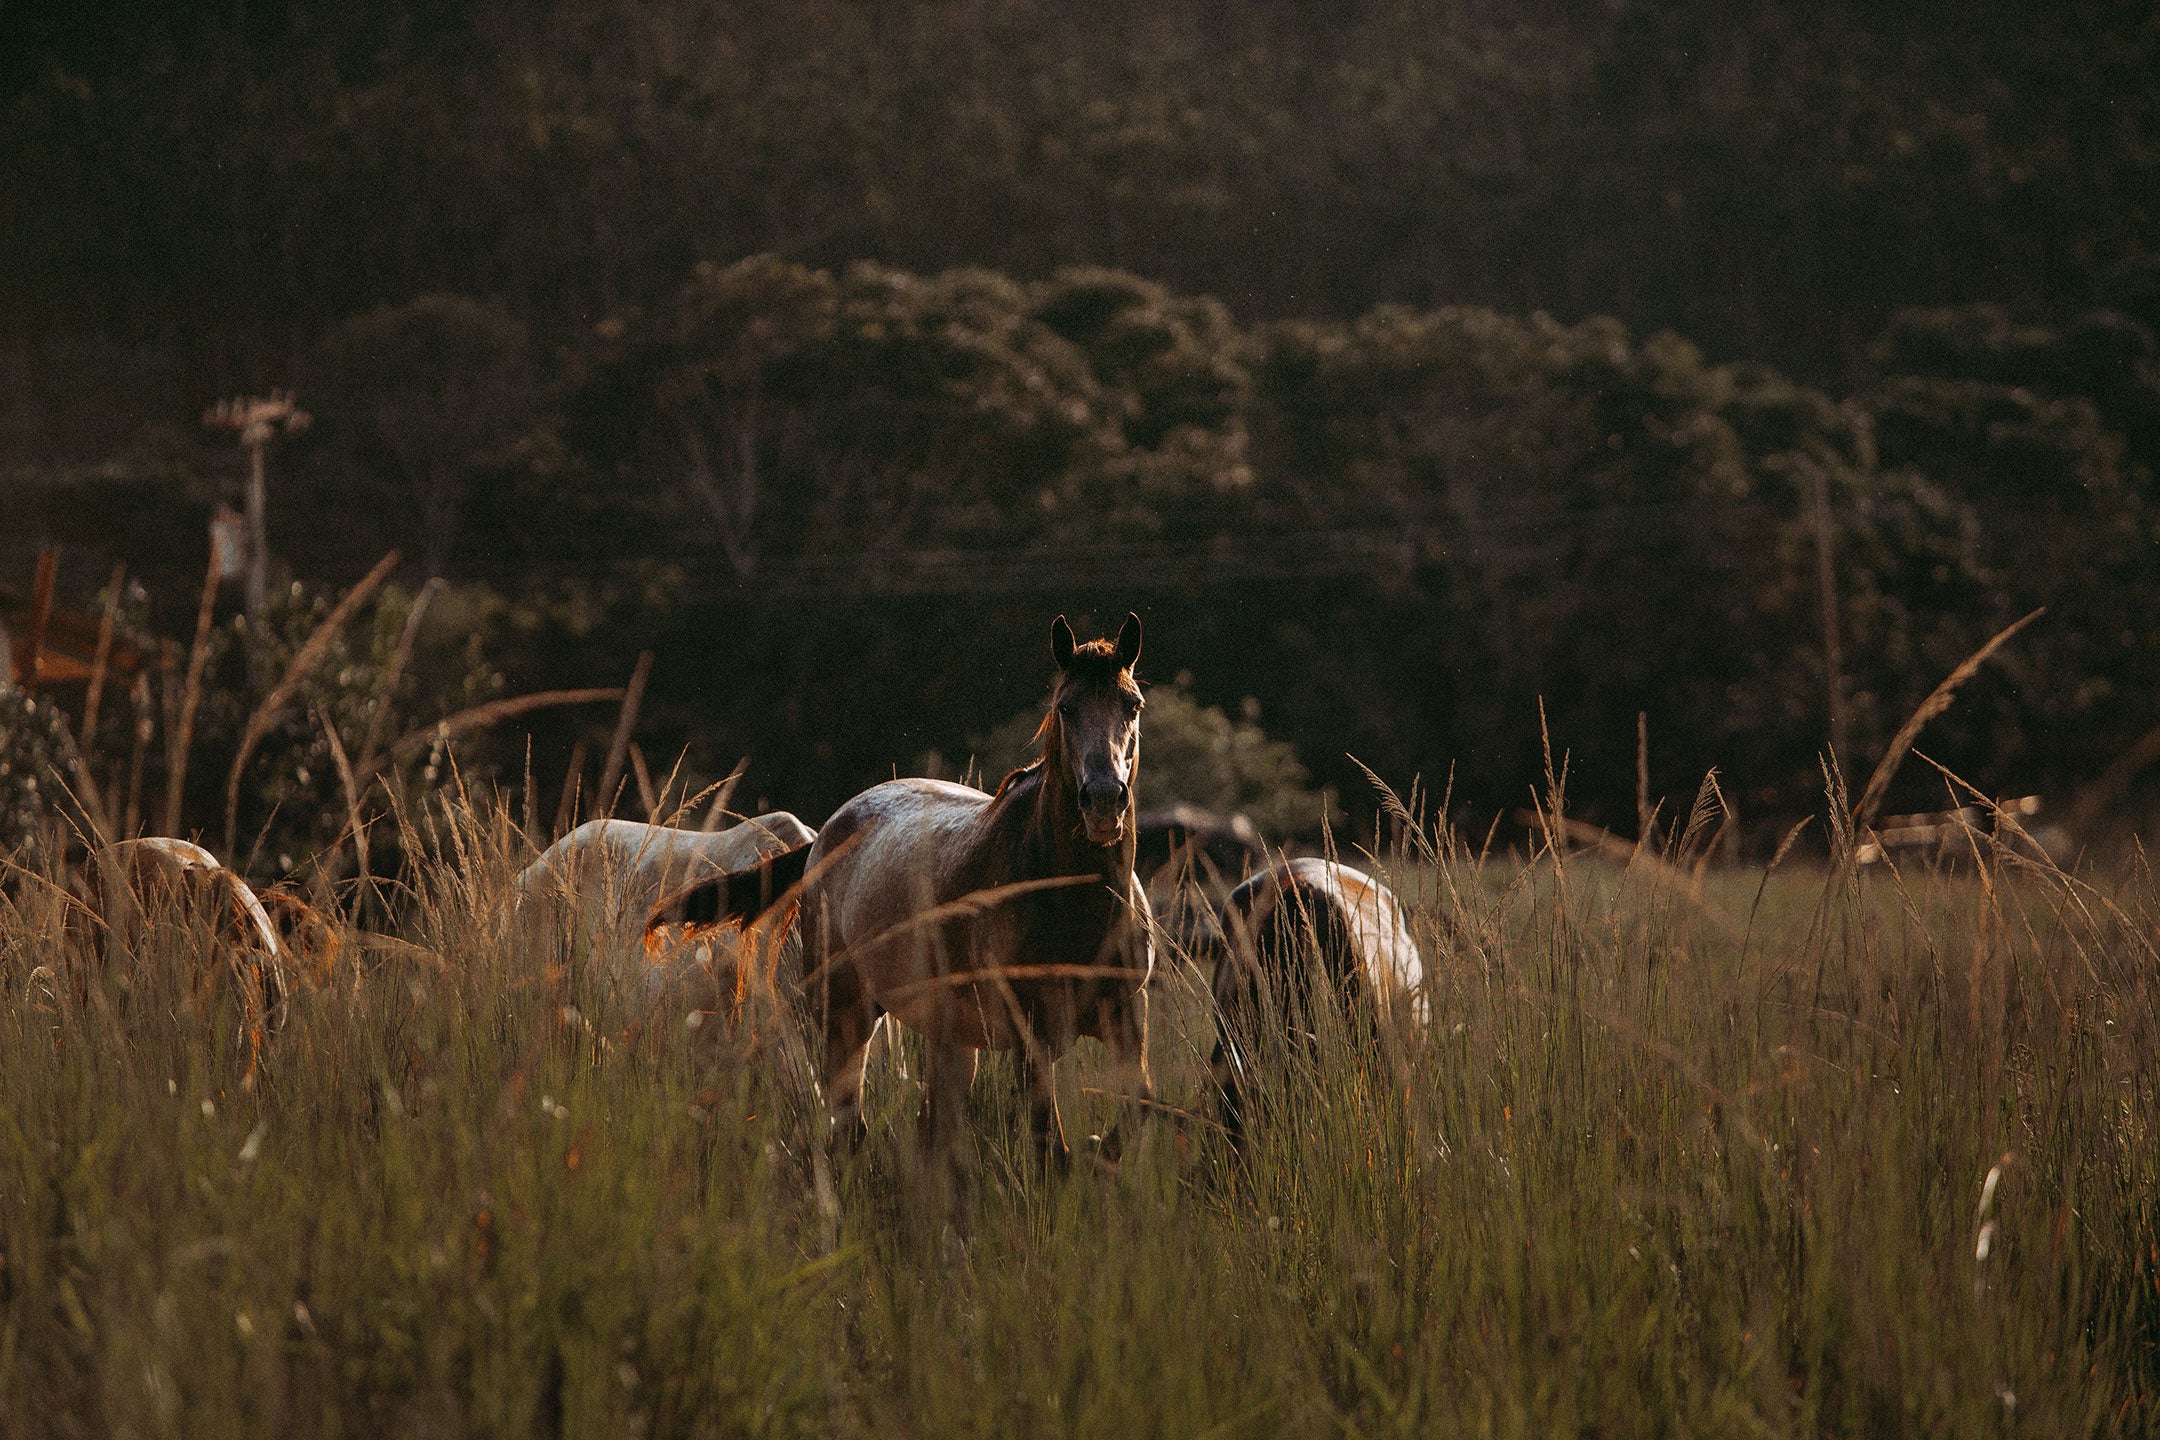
(1661, 1162)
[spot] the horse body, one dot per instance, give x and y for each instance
(1349, 923)
(130, 875)
(595, 890)
(132, 887)
(894, 870)
(644, 864)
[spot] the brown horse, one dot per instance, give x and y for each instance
(1010, 921)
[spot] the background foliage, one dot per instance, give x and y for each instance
(1402, 363)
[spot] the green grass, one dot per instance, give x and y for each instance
(1652, 1170)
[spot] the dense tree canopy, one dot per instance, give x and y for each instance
(828, 351)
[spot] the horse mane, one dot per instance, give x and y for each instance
(1020, 772)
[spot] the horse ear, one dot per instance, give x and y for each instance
(1061, 642)
(1128, 642)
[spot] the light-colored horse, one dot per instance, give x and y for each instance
(1006, 921)
(594, 893)
(1350, 925)
(131, 886)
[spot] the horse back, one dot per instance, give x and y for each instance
(890, 853)
(1350, 922)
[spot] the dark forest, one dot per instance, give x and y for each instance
(1405, 365)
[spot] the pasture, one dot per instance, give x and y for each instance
(1836, 1153)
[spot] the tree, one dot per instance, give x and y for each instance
(2046, 430)
(430, 398)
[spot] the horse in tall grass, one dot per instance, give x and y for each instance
(158, 899)
(1009, 921)
(600, 897)
(1296, 922)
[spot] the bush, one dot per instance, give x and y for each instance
(37, 762)
(1197, 753)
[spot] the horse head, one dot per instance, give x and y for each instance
(1091, 737)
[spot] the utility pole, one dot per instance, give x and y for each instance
(257, 419)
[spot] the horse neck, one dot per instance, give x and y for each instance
(1054, 828)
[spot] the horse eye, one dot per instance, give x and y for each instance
(1067, 709)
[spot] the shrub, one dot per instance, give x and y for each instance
(1193, 752)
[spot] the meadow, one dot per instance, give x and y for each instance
(1679, 1149)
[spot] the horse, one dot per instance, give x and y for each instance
(1352, 926)
(608, 888)
(132, 885)
(313, 948)
(1009, 921)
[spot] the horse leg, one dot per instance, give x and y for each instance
(948, 1076)
(1238, 996)
(1223, 1068)
(850, 1019)
(1129, 1042)
(1124, 1032)
(838, 1007)
(1036, 1067)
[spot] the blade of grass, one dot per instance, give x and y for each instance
(352, 802)
(303, 664)
(386, 693)
(479, 717)
(181, 737)
(619, 743)
(101, 659)
(1937, 701)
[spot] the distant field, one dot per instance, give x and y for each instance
(1877, 1155)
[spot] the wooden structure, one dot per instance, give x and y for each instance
(43, 643)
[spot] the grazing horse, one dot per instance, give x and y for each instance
(314, 949)
(1350, 925)
(604, 887)
(131, 886)
(1007, 921)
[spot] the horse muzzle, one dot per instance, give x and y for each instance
(1107, 830)
(1102, 811)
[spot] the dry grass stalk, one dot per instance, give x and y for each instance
(303, 664)
(625, 723)
(1625, 854)
(1644, 816)
(479, 717)
(671, 793)
(724, 793)
(1710, 801)
(573, 779)
(145, 725)
(41, 599)
(531, 800)
(399, 658)
(646, 796)
(352, 796)
(100, 661)
(1886, 769)
(181, 738)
